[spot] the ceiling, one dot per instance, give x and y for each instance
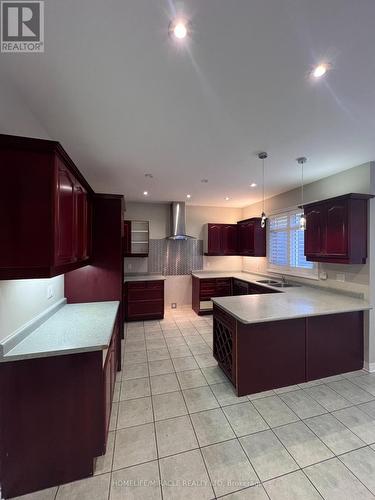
(124, 100)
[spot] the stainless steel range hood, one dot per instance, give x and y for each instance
(178, 222)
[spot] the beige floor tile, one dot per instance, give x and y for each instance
(86, 489)
(228, 467)
(244, 419)
(200, 399)
(211, 427)
(294, 486)
(184, 477)
(104, 463)
(135, 388)
(161, 384)
(175, 435)
(169, 405)
(134, 412)
(134, 445)
(140, 482)
(191, 379)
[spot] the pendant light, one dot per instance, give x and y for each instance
(262, 156)
(302, 222)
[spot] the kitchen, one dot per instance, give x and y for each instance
(179, 321)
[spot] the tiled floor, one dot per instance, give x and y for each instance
(179, 432)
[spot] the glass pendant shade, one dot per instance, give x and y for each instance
(262, 156)
(302, 222)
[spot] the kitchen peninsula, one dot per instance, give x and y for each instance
(268, 341)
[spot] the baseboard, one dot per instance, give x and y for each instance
(369, 367)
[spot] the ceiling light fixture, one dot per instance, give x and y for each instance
(262, 156)
(204, 181)
(253, 185)
(227, 198)
(179, 28)
(188, 196)
(320, 70)
(302, 222)
(145, 193)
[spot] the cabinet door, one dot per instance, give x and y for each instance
(336, 230)
(240, 287)
(65, 221)
(82, 223)
(246, 238)
(127, 237)
(315, 222)
(229, 239)
(215, 239)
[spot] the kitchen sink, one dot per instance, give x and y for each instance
(269, 282)
(284, 285)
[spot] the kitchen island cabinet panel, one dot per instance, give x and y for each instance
(264, 355)
(334, 344)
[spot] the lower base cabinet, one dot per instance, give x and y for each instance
(144, 300)
(54, 417)
(262, 356)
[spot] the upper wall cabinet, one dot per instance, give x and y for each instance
(221, 239)
(136, 238)
(252, 238)
(336, 229)
(244, 238)
(45, 210)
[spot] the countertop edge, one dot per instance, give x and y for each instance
(292, 316)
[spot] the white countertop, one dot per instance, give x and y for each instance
(294, 302)
(143, 277)
(72, 329)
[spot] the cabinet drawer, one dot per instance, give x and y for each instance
(145, 294)
(145, 285)
(207, 284)
(146, 307)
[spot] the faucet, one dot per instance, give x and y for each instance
(283, 280)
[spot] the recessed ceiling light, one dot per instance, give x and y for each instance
(320, 70)
(179, 28)
(145, 193)
(188, 196)
(227, 198)
(253, 185)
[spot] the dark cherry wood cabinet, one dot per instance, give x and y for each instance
(144, 300)
(204, 289)
(127, 237)
(54, 417)
(221, 239)
(246, 238)
(104, 278)
(336, 230)
(44, 210)
(251, 238)
(240, 287)
(262, 356)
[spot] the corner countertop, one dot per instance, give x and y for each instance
(74, 328)
(143, 277)
(295, 302)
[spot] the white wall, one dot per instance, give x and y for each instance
(178, 288)
(21, 300)
(354, 180)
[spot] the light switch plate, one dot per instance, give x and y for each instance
(50, 292)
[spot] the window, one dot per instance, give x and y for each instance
(286, 246)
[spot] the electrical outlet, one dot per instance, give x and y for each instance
(129, 267)
(50, 292)
(173, 305)
(323, 275)
(340, 277)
